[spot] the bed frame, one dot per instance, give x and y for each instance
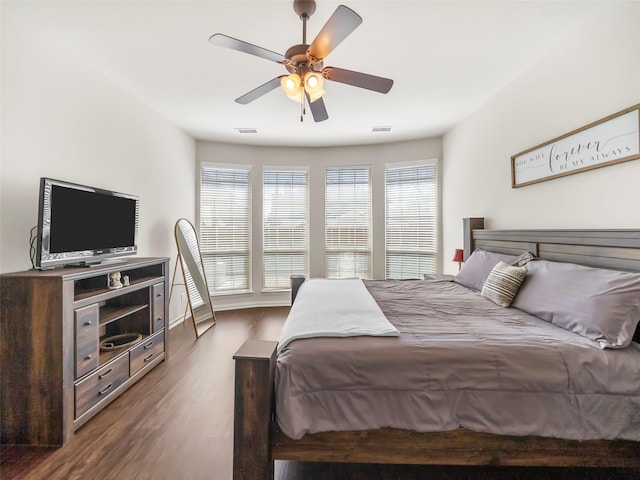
(258, 441)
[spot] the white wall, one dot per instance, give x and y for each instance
(62, 119)
(377, 156)
(596, 75)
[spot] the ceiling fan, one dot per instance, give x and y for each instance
(304, 62)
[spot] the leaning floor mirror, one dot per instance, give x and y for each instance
(195, 280)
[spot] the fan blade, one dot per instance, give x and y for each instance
(338, 27)
(235, 44)
(259, 91)
(358, 79)
(318, 109)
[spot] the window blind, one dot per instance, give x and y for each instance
(348, 222)
(285, 226)
(411, 206)
(225, 227)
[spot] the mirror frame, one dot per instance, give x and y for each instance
(200, 305)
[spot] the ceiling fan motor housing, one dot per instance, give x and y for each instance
(304, 8)
(297, 60)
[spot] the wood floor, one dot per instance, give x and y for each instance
(177, 423)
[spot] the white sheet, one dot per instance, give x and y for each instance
(334, 308)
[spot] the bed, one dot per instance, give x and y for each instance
(259, 439)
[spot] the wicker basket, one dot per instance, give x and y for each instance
(119, 342)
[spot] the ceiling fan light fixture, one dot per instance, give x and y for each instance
(297, 96)
(290, 84)
(313, 83)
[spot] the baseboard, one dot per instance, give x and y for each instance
(241, 305)
(178, 321)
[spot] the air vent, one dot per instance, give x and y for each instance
(380, 129)
(247, 130)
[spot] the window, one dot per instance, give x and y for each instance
(225, 227)
(348, 222)
(285, 226)
(411, 198)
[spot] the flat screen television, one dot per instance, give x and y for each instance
(80, 225)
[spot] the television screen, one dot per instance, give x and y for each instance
(78, 224)
(78, 218)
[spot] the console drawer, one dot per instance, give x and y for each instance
(147, 351)
(86, 329)
(100, 384)
(157, 291)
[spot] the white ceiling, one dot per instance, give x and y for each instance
(446, 58)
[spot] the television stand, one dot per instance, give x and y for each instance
(61, 332)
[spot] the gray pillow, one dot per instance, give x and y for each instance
(603, 305)
(476, 269)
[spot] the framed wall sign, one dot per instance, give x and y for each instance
(613, 139)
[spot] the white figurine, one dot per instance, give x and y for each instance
(114, 280)
(125, 281)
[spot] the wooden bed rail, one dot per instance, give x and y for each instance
(458, 447)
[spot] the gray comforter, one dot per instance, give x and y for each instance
(460, 361)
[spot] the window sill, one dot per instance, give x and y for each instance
(230, 294)
(276, 290)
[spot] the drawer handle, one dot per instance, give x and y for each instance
(159, 319)
(88, 323)
(88, 357)
(148, 345)
(105, 389)
(148, 359)
(105, 374)
(158, 295)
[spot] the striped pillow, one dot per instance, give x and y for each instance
(503, 283)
